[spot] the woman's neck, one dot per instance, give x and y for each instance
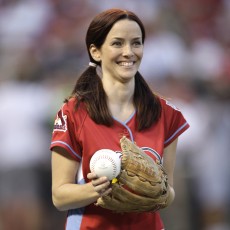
(120, 99)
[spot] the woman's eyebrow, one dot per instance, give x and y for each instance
(119, 38)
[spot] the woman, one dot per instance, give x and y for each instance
(102, 109)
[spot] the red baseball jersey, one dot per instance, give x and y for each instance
(76, 132)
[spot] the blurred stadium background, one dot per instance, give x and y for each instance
(186, 59)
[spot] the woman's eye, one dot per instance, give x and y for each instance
(117, 43)
(137, 43)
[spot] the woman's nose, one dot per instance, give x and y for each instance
(127, 50)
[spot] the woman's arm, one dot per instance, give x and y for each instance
(65, 193)
(169, 160)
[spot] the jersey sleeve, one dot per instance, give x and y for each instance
(65, 133)
(175, 123)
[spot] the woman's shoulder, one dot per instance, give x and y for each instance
(73, 110)
(168, 104)
(73, 103)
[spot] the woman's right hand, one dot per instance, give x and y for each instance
(66, 194)
(101, 185)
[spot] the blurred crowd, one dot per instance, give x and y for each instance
(186, 59)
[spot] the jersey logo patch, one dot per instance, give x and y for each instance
(60, 123)
(153, 153)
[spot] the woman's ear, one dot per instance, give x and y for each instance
(95, 53)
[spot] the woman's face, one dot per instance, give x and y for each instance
(122, 51)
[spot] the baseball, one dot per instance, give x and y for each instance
(106, 162)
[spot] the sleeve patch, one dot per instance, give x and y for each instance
(60, 123)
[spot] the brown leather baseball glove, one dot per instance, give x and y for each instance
(141, 185)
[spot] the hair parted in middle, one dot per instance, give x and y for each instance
(89, 88)
(102, 24)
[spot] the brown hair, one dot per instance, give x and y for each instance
(89, 88)
(102, 24)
